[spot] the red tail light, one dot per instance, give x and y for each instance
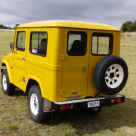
(66, 107)
(116, 100)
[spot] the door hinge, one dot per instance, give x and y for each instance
(62, 92)
(24, 79)
(63, 57)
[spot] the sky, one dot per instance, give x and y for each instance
(111, 12)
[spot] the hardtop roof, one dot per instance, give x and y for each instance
(70, 24)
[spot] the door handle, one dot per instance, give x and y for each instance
(23, 59)
(84, 68)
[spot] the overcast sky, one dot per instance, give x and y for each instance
(112, 12)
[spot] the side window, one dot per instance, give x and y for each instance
(77, 42)
(21, 41)
(38, 43)
(102, 43)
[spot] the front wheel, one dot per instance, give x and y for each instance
(7, 87)
(35, 106)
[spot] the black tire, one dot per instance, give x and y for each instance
(93, 111)
(100, 74)
(10, 88)
(40, 117)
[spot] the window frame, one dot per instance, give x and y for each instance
(76, 32)
(100, 34)
(17, 48)
(38, 41)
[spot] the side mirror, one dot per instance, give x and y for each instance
(12, 45)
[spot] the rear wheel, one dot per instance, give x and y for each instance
(35, 106)
(7, 87)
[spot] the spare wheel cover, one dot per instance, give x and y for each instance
(110, 75)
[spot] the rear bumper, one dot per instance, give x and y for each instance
(83, 103)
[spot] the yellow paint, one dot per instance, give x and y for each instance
(58, 74)
(70, 24)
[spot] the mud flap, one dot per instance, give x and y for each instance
(47, 106)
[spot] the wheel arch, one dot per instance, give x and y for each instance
(34, 81)
(5, 64)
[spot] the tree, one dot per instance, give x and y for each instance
(128, 26)
(124, 27)
(16, 25)
(3, 27)
(135, 25)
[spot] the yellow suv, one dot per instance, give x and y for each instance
(65, 66)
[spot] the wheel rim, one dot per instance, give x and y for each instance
(34, 104)
(4, 82)
(114, 76)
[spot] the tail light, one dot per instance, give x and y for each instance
(66, 107)
(116, 100)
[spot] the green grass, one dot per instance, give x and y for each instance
(119, 120)
(12, 127)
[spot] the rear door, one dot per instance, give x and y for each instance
(102, 44)
(75, 62)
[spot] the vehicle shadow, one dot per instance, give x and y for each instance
(19, 92)
(108, 119)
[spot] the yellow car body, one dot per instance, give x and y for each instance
(60, 76)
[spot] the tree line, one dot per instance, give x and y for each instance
(7, 27)
(4, 27)
(129, 26)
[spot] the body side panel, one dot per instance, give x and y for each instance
(47, 70)
(18, 64)
(7, 61)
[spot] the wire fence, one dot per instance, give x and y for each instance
(7, 30)
(128, 35)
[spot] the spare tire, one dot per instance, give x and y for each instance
(110, 75)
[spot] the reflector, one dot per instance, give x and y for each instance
(65, 107)
(116, 100)
(119, 99)
(62, 107)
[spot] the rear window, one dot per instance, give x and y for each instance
(77, 43)
(102, 43)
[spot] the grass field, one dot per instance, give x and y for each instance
(119, 120)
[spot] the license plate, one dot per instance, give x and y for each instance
(93, 104)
